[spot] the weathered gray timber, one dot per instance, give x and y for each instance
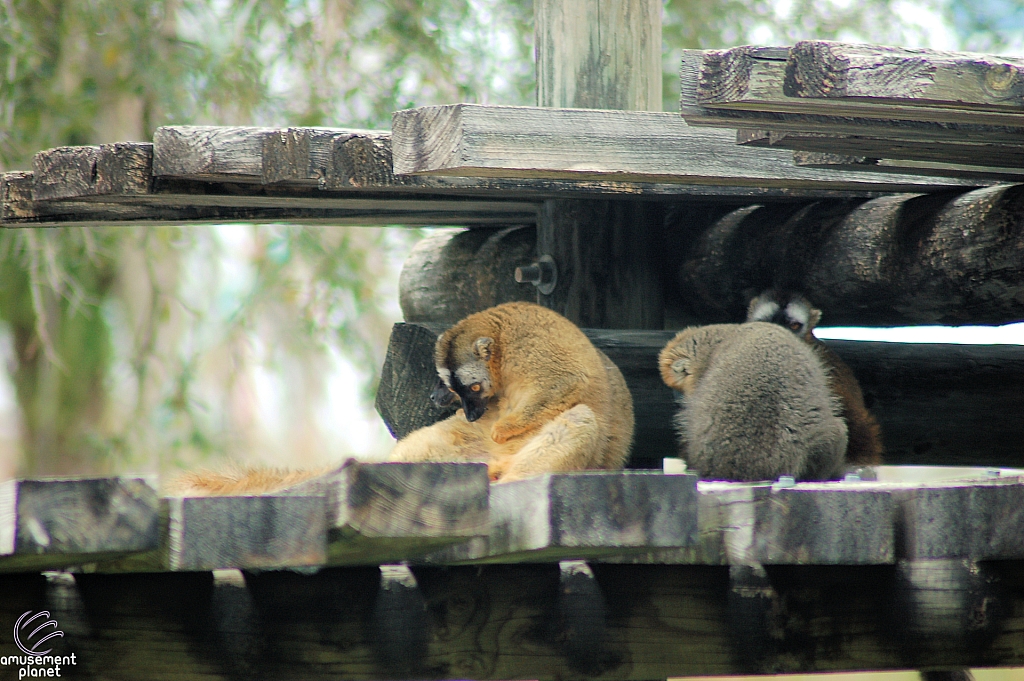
(813, 159)
(609, 259)
(49, 524)
(936, 403)
(389, 512)
(358, 514)
(598, 55)
(767, 74)
(500, 622)
(472, 140)
(996, 161)
(582, 515)
(78, 172)
(971, 86)
(195, 203)
(897, 260)
(451, 274)
(865, 81)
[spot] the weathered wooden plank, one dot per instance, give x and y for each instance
(49, 524)
(767, 78)
(898, 260)
(936, 403)
(358, 514)
(629, 622)
(814, 159)
(527, 142)
(999, 159)
(836, 79)
(878, 76)
(582, 515)
(209, 152)
(360, 161)
(76, 172)
(197, 204)
(389, 512)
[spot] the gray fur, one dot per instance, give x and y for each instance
(758, 405)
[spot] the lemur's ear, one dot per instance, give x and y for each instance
(482, 347)
(815, 317)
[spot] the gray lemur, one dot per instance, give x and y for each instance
(796, 313)
(756, 404)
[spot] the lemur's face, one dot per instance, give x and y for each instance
(468, 379)
(789, 310)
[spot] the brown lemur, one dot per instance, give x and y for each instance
(794, 312)
(536, 395)
(755, 404)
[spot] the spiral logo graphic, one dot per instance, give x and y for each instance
(23, 623)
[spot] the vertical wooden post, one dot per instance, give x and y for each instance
(602, 54)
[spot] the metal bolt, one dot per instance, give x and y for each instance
(543, 274)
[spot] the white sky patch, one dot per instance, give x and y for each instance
(762, 34)
(925, 26)
(1009, 334)
(352, 428)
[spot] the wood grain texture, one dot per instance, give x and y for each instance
(49, 524)
(898, 260)
(511, 621)
(208, 152)
(598, 55)
(767, 75)
(972, 85)
(811, 159)
(107, 170)
(527, 142)
(389, 512)
(609, 256)
(998, 160)
(864, 81)
(582, 515)
(936, 403)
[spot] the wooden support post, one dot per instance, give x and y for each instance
(601, 55)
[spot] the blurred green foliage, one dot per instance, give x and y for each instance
(136, 347)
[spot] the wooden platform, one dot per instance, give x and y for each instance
(784, 577)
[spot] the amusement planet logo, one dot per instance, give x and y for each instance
(31, 631)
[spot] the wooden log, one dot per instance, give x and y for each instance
(936, 403)
(863, 81)
(939, 259)
(49, 524)
(582, 515)
(451, 274)
(767, 72)
(998, 160)
(489, 622)
(525, 142)
(598, 55)
(902, 80)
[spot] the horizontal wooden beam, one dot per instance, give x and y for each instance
(359, 514)
(526, 142)
(765, 68)
(192, 203)
(996, 161)
(936, 403)
(50, 524)
(813, 159)
(973, 87)
(630, 622)
(865, 81)
(582, 515)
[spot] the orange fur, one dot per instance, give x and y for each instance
(240, 481)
